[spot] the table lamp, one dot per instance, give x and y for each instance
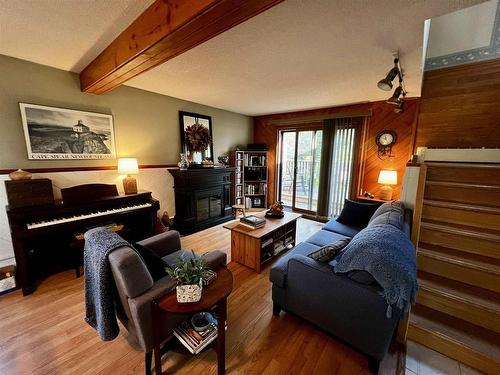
(128, 166)
(387, 178)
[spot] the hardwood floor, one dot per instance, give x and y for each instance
(44, 333)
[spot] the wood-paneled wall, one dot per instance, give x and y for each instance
(460, 106)
(382, 117)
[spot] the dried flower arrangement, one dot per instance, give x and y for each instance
(197, 137)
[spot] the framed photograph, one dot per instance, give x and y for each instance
(60, 133)
(196, 136)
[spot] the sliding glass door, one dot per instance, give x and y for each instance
(300, 168)
(317, 166)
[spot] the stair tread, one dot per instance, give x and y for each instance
(463, 206)
(460, 292)
(463, 185)
(457, 330)
(461, 229)
(442, 253)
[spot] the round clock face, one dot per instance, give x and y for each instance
(386, 138)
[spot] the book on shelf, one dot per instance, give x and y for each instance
(195, 341)
(267, 242)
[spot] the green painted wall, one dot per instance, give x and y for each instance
(146, 124)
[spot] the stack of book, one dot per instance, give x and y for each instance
(195, 341)
(253, 222)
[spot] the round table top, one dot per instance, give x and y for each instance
(211, 294)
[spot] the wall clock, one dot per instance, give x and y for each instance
(385, 140)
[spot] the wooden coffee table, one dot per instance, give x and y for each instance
(214, 294)
(255, 247)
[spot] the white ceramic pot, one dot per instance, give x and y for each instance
(189, 293)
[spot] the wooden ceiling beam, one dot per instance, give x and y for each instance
(164, 30)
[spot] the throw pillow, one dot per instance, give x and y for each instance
(393, 217)
(329, 252)
(154, 264)
(357, 214)
(388, 206)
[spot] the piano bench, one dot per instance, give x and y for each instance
(77, 247)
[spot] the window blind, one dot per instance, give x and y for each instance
(342, 161)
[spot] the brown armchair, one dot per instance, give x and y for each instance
(136, 290)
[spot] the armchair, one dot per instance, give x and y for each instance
(135, 289)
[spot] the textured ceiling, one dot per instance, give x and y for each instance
(65, 34)
(297, 55)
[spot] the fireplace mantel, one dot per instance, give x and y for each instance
(202, 198)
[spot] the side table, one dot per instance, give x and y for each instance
(214, 294)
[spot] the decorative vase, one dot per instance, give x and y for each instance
(223, 160)
(189, 293)
(183, 164)
(20, 175)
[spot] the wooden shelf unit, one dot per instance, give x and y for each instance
(250, 178)
(256, 247)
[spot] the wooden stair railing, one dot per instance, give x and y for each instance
(458, 259)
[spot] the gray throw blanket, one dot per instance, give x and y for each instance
(99, 288)
(389, 256)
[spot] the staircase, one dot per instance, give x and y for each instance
(458, 259)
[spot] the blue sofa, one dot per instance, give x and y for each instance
(348, 306)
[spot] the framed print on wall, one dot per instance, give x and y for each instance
(53, 133)
(196, 136)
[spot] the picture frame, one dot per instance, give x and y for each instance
(187, 119)
(54, 133)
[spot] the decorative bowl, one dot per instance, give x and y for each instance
(202, 321)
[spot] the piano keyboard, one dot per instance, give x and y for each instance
(63, 220)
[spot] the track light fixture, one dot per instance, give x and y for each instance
(394, 99)
(386, 85)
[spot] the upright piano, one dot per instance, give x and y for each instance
(41, 235)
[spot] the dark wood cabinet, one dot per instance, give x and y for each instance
(202, 198)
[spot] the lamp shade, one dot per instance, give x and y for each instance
(128, 166)
(388, 177)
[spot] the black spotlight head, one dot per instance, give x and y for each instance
(394, 99)
(386, 83)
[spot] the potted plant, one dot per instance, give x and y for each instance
(188, 272)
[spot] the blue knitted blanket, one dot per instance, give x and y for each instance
(99, 288)
(389, 256)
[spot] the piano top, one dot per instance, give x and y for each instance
(62, 206)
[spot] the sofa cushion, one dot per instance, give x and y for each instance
(327, 253)
(324, 237)
(214, 258)
(347, 230)
(172, 259)
(362, 277)
(386, 207)
(279, 269)
(393, 217)
(357, 214)
(154, 264)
